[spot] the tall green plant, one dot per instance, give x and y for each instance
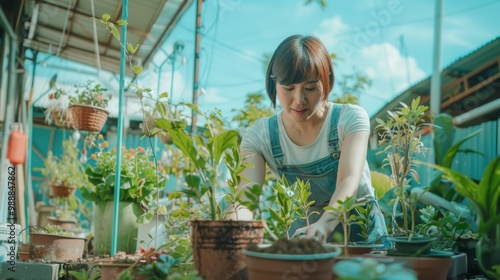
(401, 135)
(206, 153)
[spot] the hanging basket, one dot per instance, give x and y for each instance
(87, 118)
(61, 118)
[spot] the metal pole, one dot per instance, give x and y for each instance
(194, 118)
(8, 112)
(436, 75)
(119, 140)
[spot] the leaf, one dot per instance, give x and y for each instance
(452, 151)
(113, 30)
(146, 217)
(121, 22)
(52, 82)
(162, 109)
(163, 95)
(106, 17)
(137, 69)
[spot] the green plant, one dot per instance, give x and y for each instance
(58, 103)
(52, 229)
(343, 213)
(65, 170)
(401, 134)
(284, 205)
(206, 153)
(372, 269)
(485, 196)
(90, 95)
(141, 179)
(446, 227)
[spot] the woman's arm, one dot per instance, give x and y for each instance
(351, 165)
(254, 174)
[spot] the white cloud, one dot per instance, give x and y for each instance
(330, 29)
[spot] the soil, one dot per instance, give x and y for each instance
(293, 247)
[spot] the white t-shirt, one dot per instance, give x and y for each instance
(353, 118)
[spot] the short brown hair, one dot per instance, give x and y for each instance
(299, 59)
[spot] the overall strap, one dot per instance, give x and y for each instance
(333, 136)
(275, 141)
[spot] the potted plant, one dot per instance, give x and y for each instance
(287, 256)
(58, 105)
(87, 110)
(65, 173)
(401, 133)
(141, 180)
(485, 196)
(53, 244)
(213, 238)
(344, 213)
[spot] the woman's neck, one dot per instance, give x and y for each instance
(306, 132)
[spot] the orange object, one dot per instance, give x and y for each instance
(16, 150)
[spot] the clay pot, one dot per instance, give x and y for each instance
(57, 190)
(67, 225)
(56, 248)
(267, 266)
(218, 247)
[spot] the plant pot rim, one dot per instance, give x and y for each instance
(415, 239)
(115, 264)
(336, 251)
(68, 220)
(260, 223)
(59, 185)
(89, 106)
(57, 235)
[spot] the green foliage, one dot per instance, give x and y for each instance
(485, 195)
(363, 220)
(91, 96)
(343, 213)
(206, 154)
(445, 154)
(253, 110)
(446, 227)
(285, 205)
(401, 135)
(351, 87)
(141, 178)
(371, 269)
(65, 170)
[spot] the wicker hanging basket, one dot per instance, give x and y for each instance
(87, 118)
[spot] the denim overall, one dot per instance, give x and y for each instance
(322, 176)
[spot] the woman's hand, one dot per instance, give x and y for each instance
(240, 214)
(319, 230)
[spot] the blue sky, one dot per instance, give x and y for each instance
(379, 38)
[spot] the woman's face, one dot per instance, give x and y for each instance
(300, 101)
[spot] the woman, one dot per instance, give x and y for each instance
(311, 138)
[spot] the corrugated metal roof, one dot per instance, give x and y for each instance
(458, 68)
(65, 28)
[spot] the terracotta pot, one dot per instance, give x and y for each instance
(111, 271)
(427, 268)
(218, 247)
(268, 266)
(67, 225)
(359, 249)
(58, 190)
(23, 256)
(56, 248)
